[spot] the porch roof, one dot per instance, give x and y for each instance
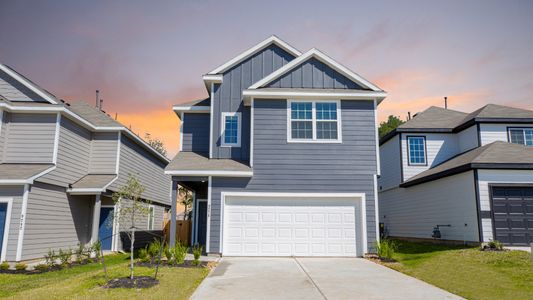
(22, 173)
(92, 184)
(195, 164)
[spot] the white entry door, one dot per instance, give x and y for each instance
(290, 227)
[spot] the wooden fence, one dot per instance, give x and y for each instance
(183, 231)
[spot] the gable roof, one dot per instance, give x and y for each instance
(493, 111)
(496, 155)
(29, 84)
(436, 118)
(92, 114)
(258, 47)
(320, 56)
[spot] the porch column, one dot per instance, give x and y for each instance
(96, 218)
(173, 203)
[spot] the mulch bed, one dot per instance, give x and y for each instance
(49, 269)
(186, 264)
(380, 260)
(488, 249)
(138, 282)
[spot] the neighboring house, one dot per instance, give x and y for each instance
(473, 172)
(282, 157)
(59, 165)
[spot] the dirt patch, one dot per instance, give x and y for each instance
(138, 282)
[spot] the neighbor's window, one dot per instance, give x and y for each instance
(417, 150)
(314, 121)
(522, 136)
(231, 129)
(151, 218)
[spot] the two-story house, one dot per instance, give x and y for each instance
(59, 165)
(282, 156)
(471, 174)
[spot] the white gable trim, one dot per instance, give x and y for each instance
(271, 40)
(315, 53)
(27, 84)
(311, 94)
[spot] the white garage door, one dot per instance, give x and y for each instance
(290, 227)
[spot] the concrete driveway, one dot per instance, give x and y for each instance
(311, 278)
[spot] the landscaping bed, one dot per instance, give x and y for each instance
(467, 271)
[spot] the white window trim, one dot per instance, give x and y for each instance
(151, 213)
(518, 128)
(9, 201)
(409, 163)
(313, 119)
(223, 129)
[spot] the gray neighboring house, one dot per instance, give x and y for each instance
(59, 165)
(472, 173)
(282, 156)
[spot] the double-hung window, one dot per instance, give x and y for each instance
(231, 129)
(522, 136)
(417, 150)
(314, 121)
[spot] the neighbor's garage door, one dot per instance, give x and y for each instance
(513, 215)
(290, 227)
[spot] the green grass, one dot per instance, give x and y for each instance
(468, 272)
(85, 282)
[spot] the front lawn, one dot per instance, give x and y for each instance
(85, 281)
(468, 272)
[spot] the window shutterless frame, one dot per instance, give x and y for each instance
(523, 129)
(314, 122)
(408, 143)
(223, 129)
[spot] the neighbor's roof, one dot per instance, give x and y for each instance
(21, 172)
(493, 111)
(94, 181)
(194, 164)
(200, 102)
(93, 115)
(435, 117)
(496, 155)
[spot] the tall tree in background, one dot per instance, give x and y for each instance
(392, 123)
(156, 143)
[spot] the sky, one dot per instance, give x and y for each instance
(145, 56)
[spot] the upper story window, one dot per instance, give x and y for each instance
(231, 129)
(314, 121)
(522, 136)
(417, 150)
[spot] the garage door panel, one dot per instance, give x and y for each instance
(513, 214)
(290, 227)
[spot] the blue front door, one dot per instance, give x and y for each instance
(3, 217)
(105, 231)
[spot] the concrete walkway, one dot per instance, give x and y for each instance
(311, 278)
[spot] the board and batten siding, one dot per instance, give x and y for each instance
(314, 74)
(103, 156)
(55, 220)
(486, 177)
(414, 211)
(15, 193)
(195, 132)
(496, 132)
(30, 138)
(467, 139)
(346, 167)
(138, 161)
(228, 96)
(440, 147)
(391, 175)
(72, 156)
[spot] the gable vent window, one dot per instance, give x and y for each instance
(522, 136)
(313, 121)
(417, 150)
(231, 129)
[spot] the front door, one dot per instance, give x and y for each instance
(3, 217)
(202, 222)
(105, 231)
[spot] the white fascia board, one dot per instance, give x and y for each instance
(28, 84)
(87, 191)
(214, 78)
(213, 173)
(271, 40)
(323, 58)
(359, 196)
(191, 109)
(318, 95)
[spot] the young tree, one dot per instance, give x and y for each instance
(156, 143)
(392, 123)
(185, 198)
(131, 208)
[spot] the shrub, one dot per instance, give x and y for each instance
(154, 249)
(196, 252)
(142, 254)
(50, 257)
(96, 248)
(65, 256)
(168, 254)
(495, 244)
(80, 251)
(386, 248)
(4, 266)
(41, 267)
(21, 266)
(180, 251)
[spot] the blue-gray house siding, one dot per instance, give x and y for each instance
(307, 167)
(195, 132)
(228, 96)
